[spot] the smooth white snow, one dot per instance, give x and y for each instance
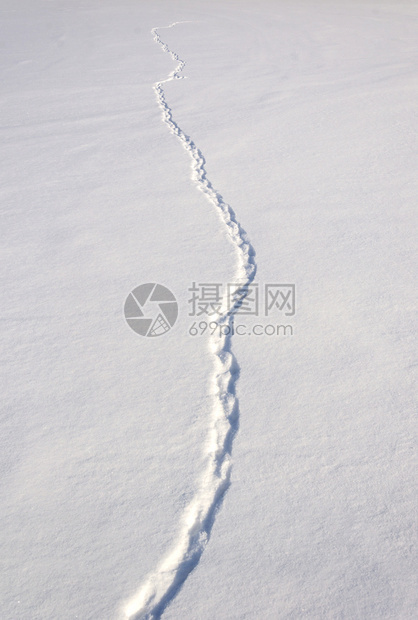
(305, 115)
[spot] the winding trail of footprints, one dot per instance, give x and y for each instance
(161, 586)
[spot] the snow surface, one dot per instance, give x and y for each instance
(303, 115)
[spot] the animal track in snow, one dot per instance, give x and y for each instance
(162, 585)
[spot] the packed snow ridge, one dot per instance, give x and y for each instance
(161, 586)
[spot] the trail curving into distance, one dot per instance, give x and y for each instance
(162, 585)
